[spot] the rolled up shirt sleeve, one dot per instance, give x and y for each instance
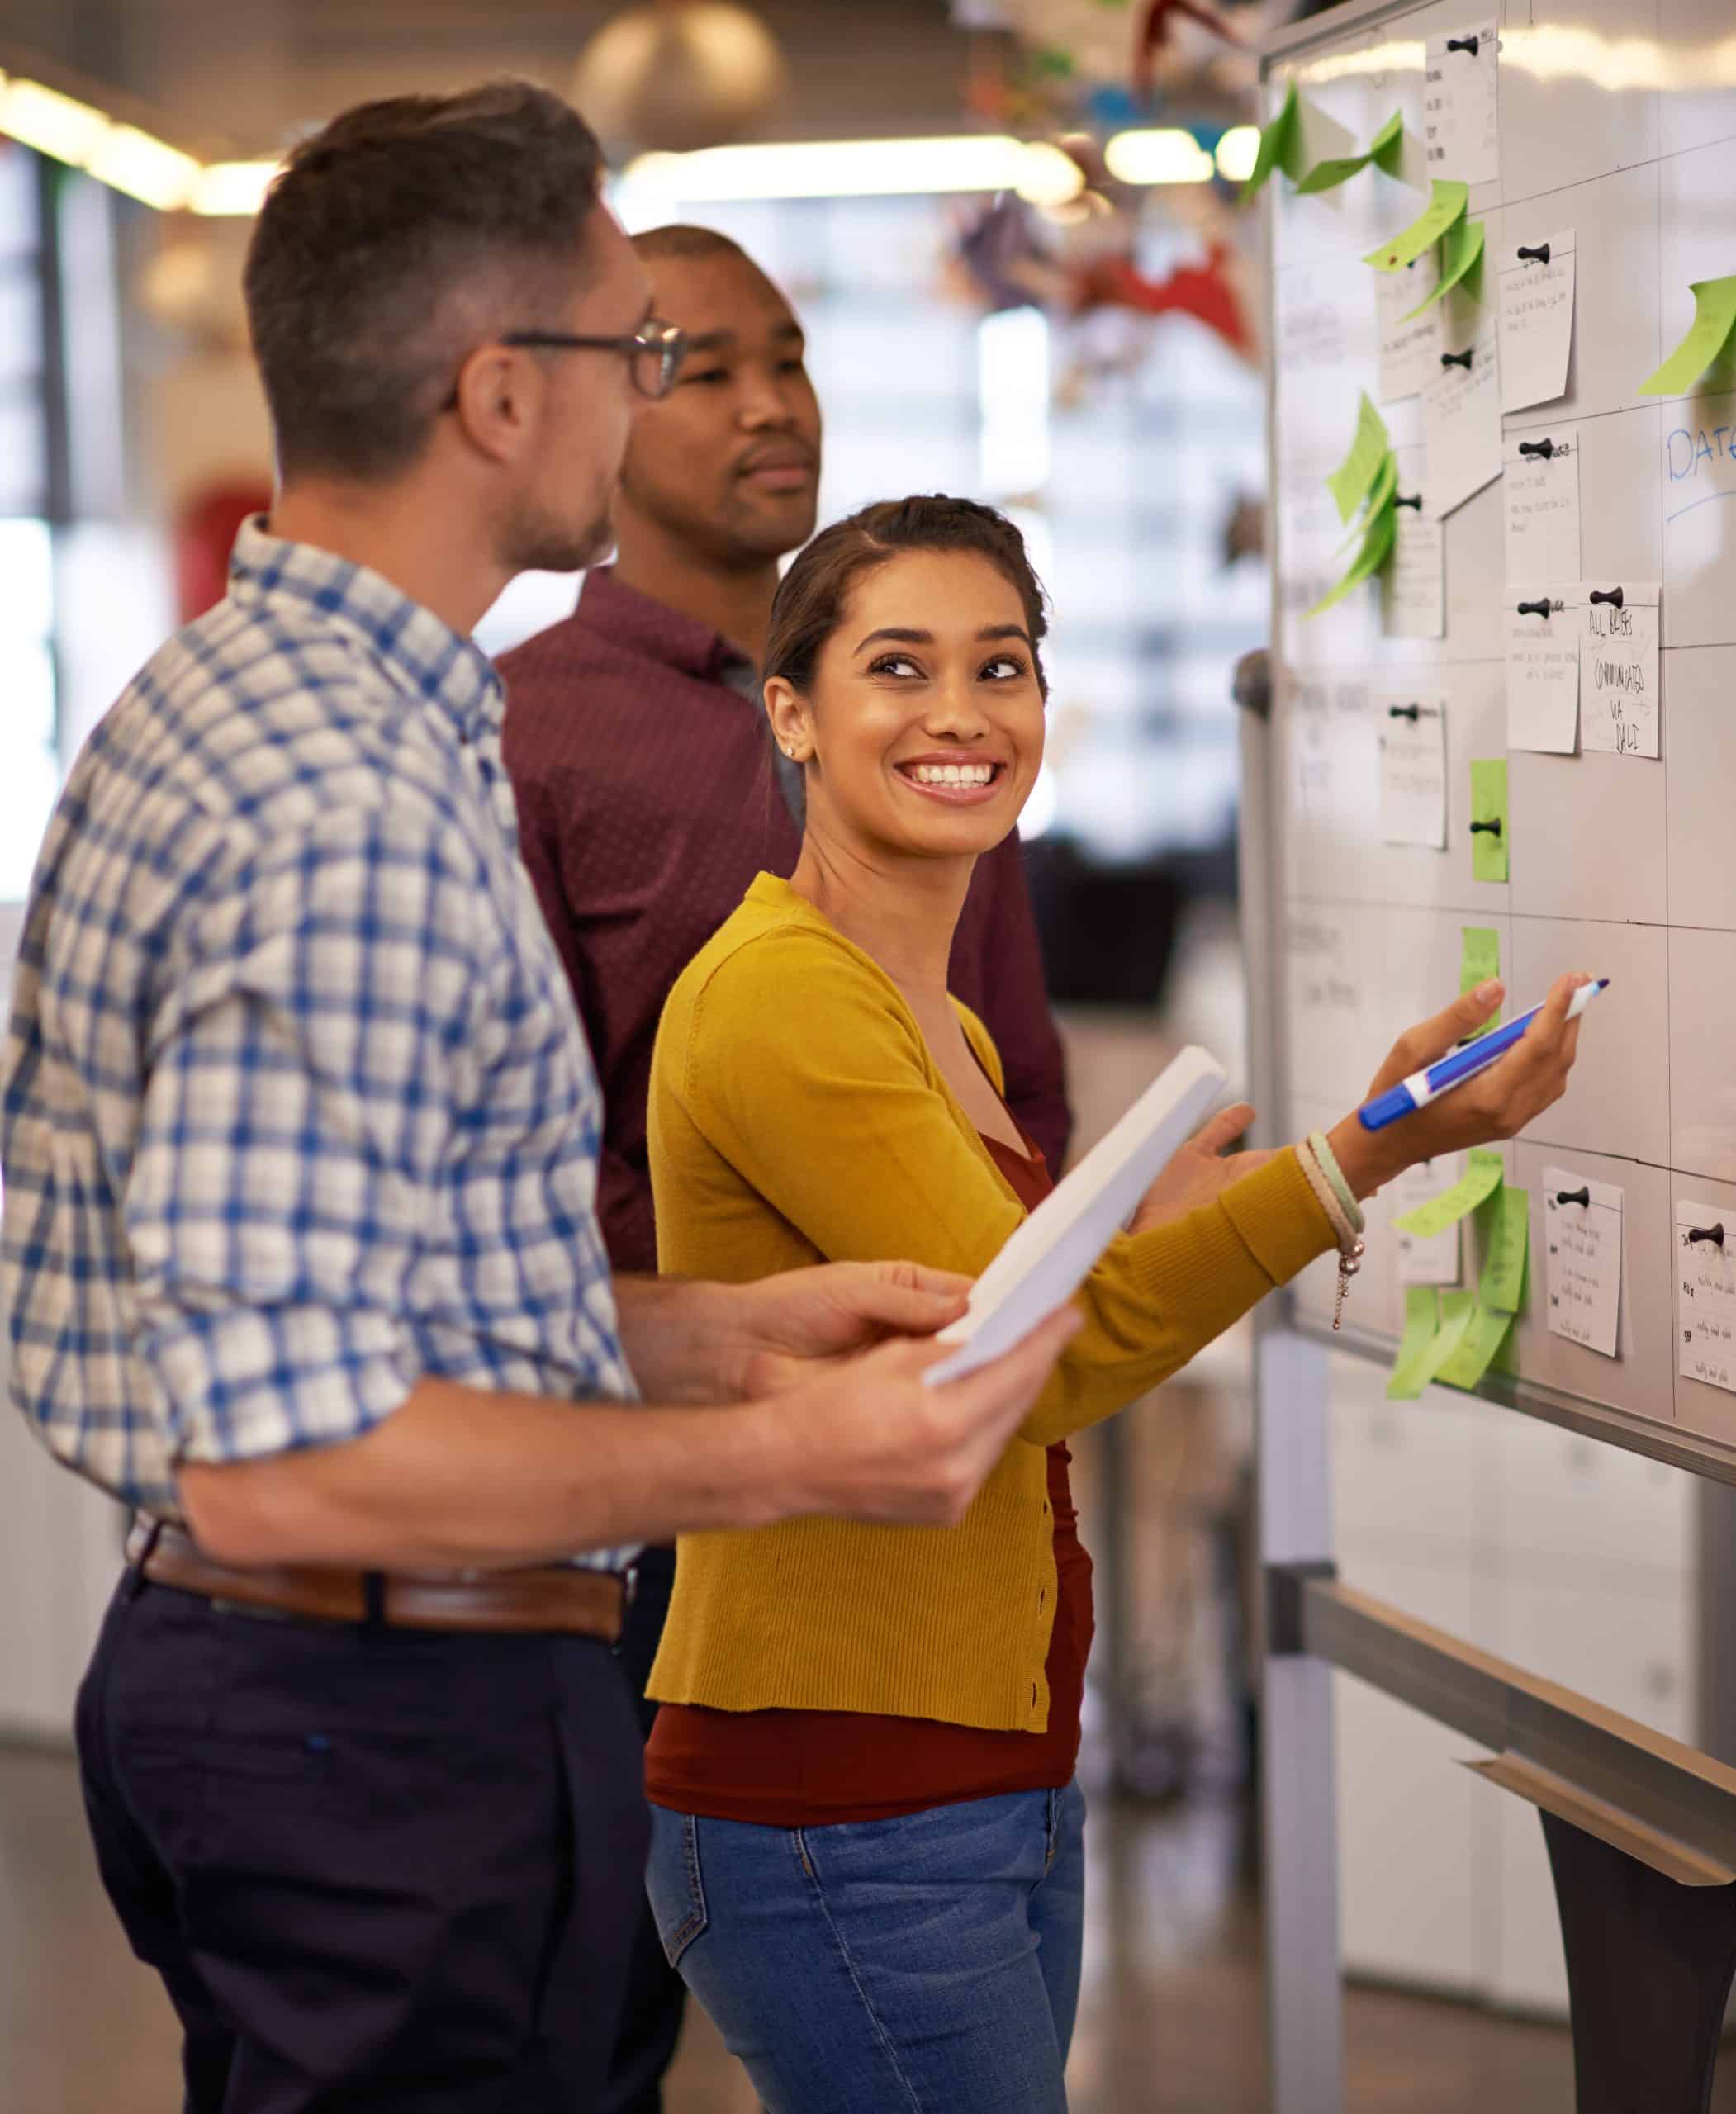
(311, 1064)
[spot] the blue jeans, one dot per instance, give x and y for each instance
(928, 1964)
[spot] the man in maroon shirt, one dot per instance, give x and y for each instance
(649, 796)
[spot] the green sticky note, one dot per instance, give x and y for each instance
(1485, 1332)
(1480, 960)
(1506, 1221)
(1280, 147)
(1380, 492)
(1385, 484)
(1377, 548)
(1715, 311)
(1489, 804)
(1446, 202)
(1350, 483)
(1384, 150)
(1422, 1324)
(1479, 1180)
(1461, 250)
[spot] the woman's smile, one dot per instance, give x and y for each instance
(955, 782)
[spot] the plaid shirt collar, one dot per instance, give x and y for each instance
(420, 652)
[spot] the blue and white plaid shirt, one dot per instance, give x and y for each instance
(297, 1107)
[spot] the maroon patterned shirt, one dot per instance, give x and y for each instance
(647, 802)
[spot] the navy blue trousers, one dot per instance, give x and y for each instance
(376, 1869)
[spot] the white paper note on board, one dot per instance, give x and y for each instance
(1539, 487)
(1536, 279)
(1410, 729)
(1460, 136)
(1406, 348)
(1428, 1259)
(1461, 405)
(1581, 1224)
(1705, 1307)
(1543, 628)
(1413, 582)
(1618, 669)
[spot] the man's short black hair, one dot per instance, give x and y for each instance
(391, 243)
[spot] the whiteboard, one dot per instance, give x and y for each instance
(1617, 119)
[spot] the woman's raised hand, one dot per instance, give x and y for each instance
(1200, 1172)
(1496, 1103)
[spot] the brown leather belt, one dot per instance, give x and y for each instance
(551, 1597)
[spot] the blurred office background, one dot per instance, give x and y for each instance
(1129, 443)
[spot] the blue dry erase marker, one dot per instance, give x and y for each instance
(1422, 1088)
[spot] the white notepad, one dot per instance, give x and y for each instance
(1049, 1256)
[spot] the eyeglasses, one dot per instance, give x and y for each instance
(653, 353)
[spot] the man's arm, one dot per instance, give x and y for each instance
(456, 1479)
(1014, 1003)
(688, 1341)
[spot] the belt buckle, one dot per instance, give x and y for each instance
(630, 1587)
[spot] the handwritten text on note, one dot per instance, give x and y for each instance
(1539, 487)
(1581, 1224)
(1618, 669)
(1425, 1259)
(1706, 1282)
(1410, 732)
(1461, 406)
(1460, 136)
(1543, 665)
(1536, 316)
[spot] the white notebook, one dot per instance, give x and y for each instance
(1049, 1256)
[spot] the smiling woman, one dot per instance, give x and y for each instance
(867, 1855)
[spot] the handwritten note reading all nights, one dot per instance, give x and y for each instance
(1429, 1259)
(1705, 1307)
(1461, 406)
(1543, 666)
(1539, 489)
(1410, 729)
(1618, 669)
(1583, 1272)
(1407, 348)
(1460, 137)
(1536, 317)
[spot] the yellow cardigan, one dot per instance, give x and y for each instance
(796, 1115)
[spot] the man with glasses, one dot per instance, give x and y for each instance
(649, 795)
(300, 1255)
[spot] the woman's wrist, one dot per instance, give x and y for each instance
(1366, 1158)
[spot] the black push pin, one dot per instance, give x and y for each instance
(1574, 1196)
(1414, 500)
(1413, 712)
(1462, 44)
(1613, 598)
(1493, 828)
(1540, 255)
(1545, 448)
(1712, 1233)
(1459, 359)
(1540, 609)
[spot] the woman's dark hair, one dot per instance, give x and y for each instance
(809, 604)
(394, 242)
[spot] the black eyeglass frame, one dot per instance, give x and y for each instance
(665, 343)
